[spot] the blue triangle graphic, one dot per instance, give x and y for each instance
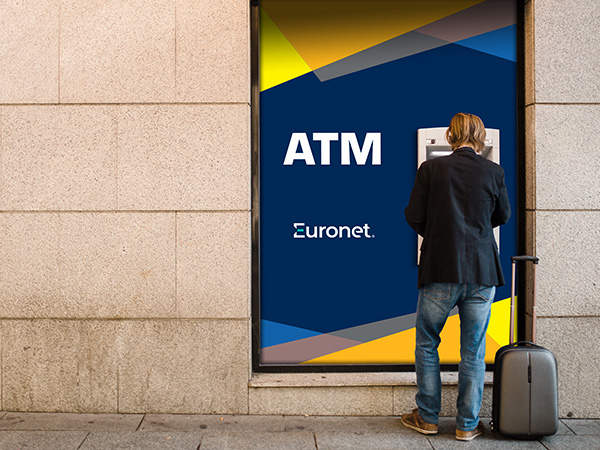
(273, 333)
(501, 43)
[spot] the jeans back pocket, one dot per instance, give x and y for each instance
(437, 291)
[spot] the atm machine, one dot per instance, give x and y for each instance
(431, 143)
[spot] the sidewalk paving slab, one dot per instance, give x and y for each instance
(183, 422)
(292, 440)
(342, 423)
(331, 440)
(583, 427)
(446, 440)
(53, 431)
(571, 442)
(564, 430)
(135, 440)
(70, 422)
(37, 440)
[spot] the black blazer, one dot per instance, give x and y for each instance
(455, 203)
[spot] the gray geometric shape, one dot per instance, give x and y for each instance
(296, 352)
(399, 47)
(382, 328)
(306, 349)
(482, 18)
(376, 330)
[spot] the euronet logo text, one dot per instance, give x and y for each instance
(332, 231)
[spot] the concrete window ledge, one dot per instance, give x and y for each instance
(288, 380)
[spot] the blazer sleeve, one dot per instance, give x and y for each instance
(502, 211)
(416, 211)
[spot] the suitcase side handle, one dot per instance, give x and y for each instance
(524, 258)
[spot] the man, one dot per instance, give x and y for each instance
(455, 203)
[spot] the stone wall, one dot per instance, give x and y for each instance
(125, 205)
(563, 204)
(125, 211)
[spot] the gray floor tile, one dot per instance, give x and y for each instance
(583, 427)
(563, 430)
(483, 443)
(36, 440)
(70, 422)
(180, 422)
(571, 442)
(445, 440)
(142, 441)
(349, 424)
(371, 440)
(258, 441)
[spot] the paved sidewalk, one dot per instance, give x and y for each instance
(50, 431)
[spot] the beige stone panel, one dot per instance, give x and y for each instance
(567, 162)
(567, 44)
(569, 268)
(117, 51)
(184, 367)
(87, 265)
(66, 366)
(323, 401)
(1, 348)
(58, 158)
(574, 342)
(30, 269)
(29, 51)
(118, 264)
(213, 51)
(213, 265)
(184, 157)
(404, 400)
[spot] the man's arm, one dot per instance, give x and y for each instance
(502, 210)
(415, 212)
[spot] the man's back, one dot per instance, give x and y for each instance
(456, 203)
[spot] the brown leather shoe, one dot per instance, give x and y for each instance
(413, 421)
(470, 435)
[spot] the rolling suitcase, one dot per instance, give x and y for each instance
(525, 390)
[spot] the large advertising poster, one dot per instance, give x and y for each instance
(344, 87)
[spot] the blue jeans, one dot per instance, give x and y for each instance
(474, 303)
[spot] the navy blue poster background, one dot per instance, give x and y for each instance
(311, 287)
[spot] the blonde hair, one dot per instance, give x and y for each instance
(466, 129)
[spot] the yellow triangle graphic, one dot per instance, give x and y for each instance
(279, 60)
(500, 321)
(326, 31)
(399, 348)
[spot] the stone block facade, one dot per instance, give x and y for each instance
(125, 211)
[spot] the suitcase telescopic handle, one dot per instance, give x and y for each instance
(523, 258)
